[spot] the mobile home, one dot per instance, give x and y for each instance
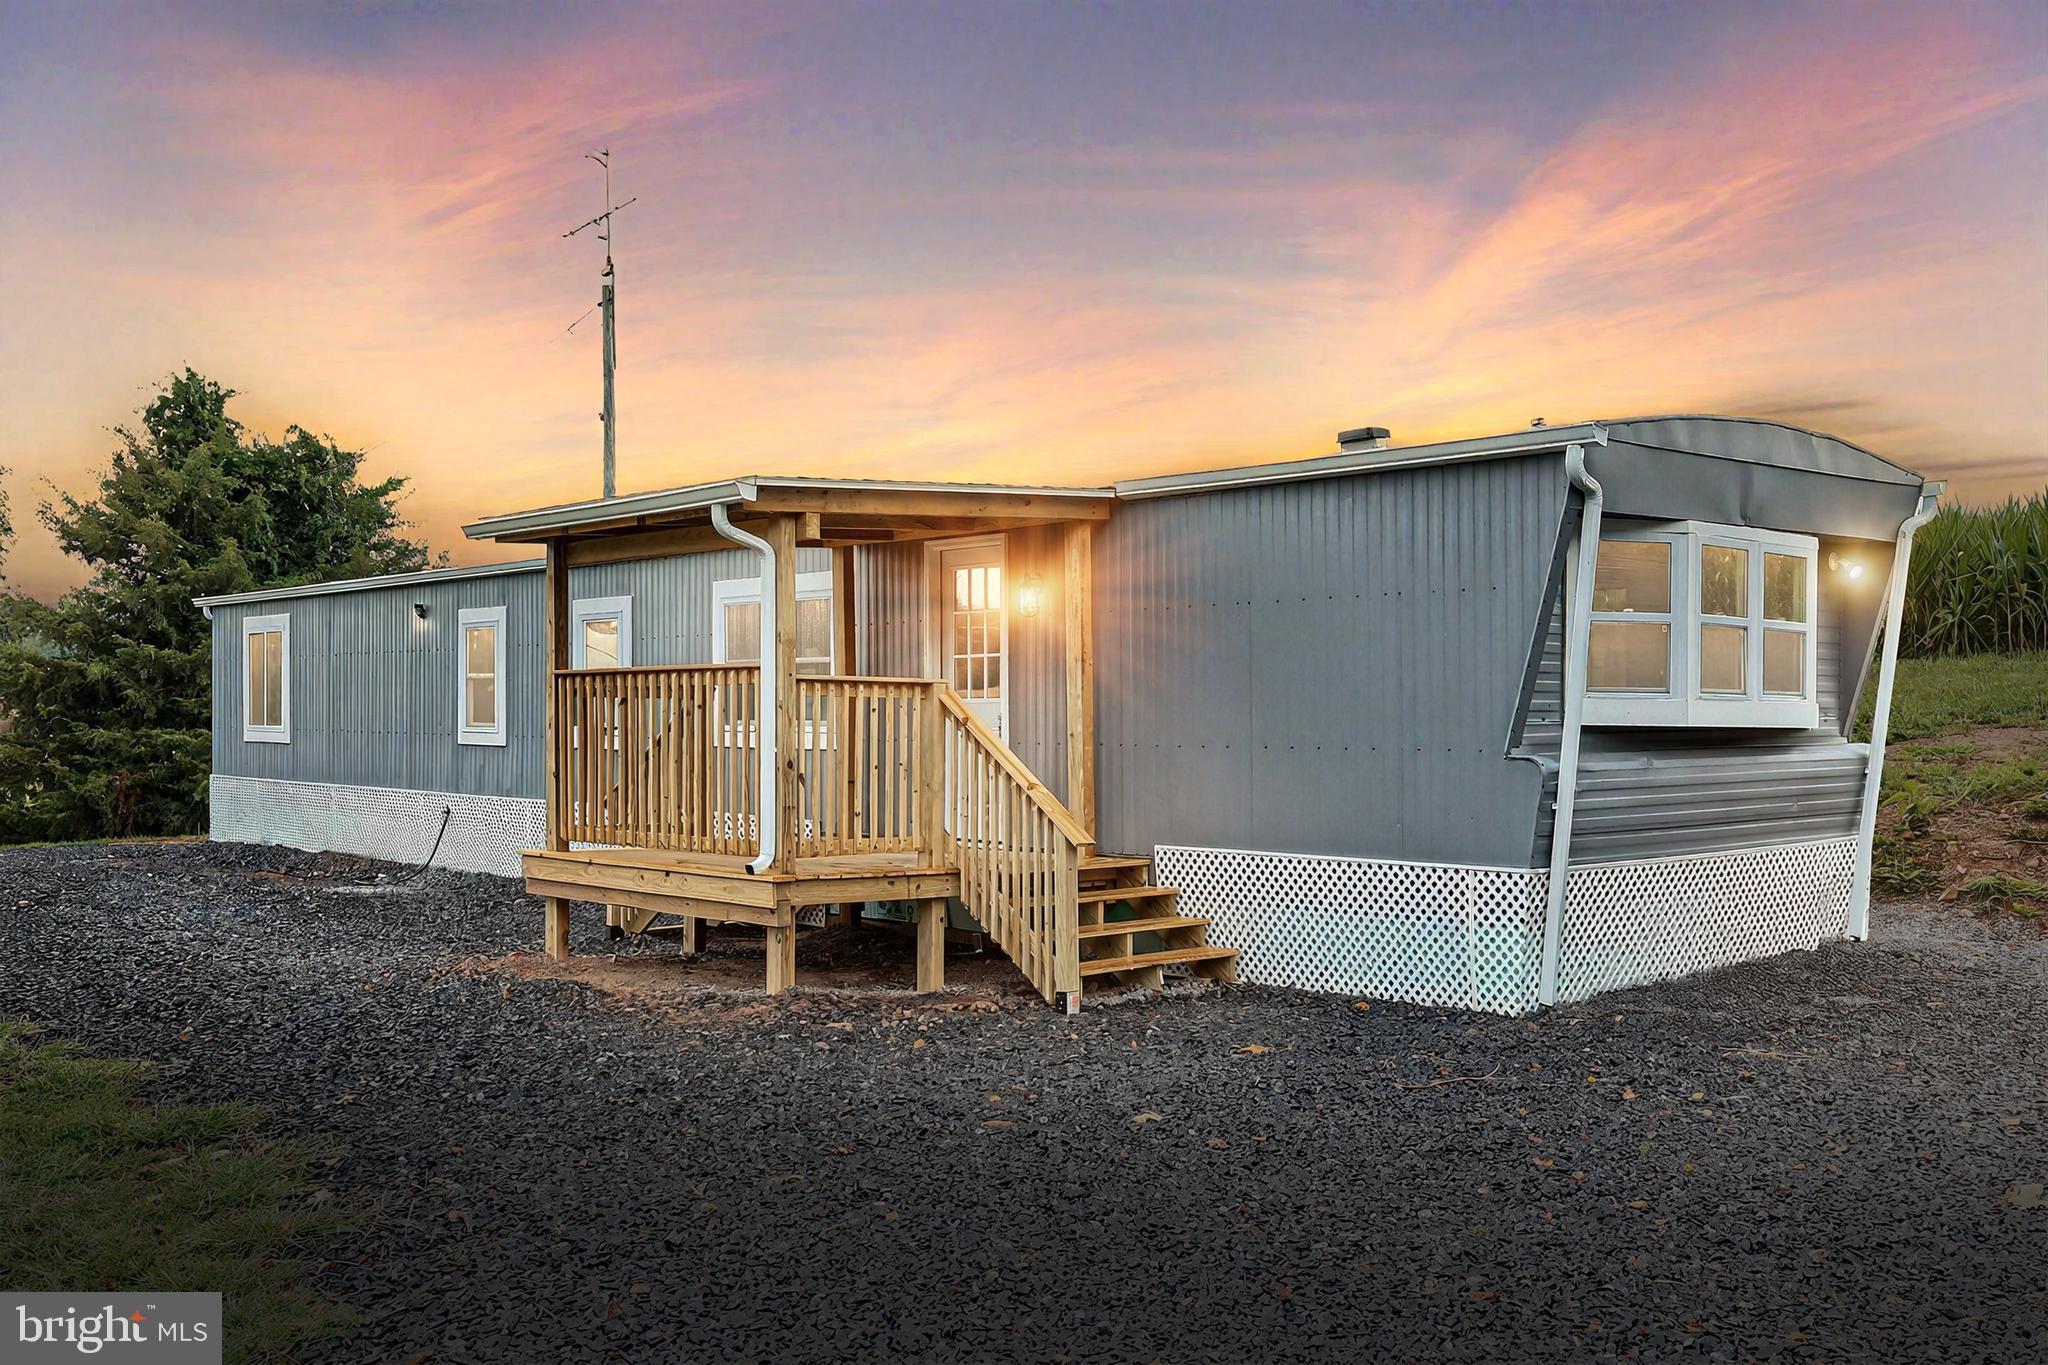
(1495, 722)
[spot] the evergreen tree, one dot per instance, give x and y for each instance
(109, 689)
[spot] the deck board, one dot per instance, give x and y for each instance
(733, 865)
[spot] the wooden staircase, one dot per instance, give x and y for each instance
(1132, 932)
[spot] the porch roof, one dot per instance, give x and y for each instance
(863, 503)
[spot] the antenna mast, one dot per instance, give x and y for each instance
(603, 222)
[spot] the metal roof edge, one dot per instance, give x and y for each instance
(682, 499)
(694, 496)
(394, 580)
(1534, 440)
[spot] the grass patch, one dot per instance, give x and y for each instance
(2021, 895)
(1933, 697)
(103, 1191)
(1901, 867)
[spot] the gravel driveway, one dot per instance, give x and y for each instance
(1828, 1156)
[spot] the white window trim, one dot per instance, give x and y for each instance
(586, 609)
(733, 592)
(1685, 704)
(253, 626)
(468, 617)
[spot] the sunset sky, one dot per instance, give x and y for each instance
(1035, 242)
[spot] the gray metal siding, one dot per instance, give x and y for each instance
(889, 585)
(374, 688)
(1662, 794)
(1326, 667)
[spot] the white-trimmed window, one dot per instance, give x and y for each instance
(480, 717)
(267, 679)
(1700, 624)
(736, 622)
(601, 632)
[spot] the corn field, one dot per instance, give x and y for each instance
(1979, 583)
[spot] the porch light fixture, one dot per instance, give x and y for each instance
(1839, 564)
(1030, 596)
(419, 609)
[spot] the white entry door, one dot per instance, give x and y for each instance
(969, 645)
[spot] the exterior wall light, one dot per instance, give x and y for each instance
(419, 609)
(1841, 564)
(1030, 596)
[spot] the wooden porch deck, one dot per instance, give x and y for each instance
(718, 888)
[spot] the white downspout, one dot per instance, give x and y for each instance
(1578, 638)
(1880, 715)
(765, 821)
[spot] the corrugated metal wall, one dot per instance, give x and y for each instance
(1325, 667)
(374, 688)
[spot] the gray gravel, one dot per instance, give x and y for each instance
(1828, 1156)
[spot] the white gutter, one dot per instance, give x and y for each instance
(765, 820)
(1880, 715)
(1578, 639)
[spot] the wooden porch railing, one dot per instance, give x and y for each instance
(1017, 848)
(659, 757)
(864, 742)
(666, 758)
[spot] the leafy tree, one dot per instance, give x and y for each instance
(109, 687)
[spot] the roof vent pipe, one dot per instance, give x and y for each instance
(765, 746)
(1363, 438)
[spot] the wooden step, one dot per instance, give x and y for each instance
(1102, 966)
(1158, 925)
(1112, 862)
(1110, 895)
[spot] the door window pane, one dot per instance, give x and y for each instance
(1785, 662)
(1784, 593)
(976, 634)
(601, 642)
(1721, 657)
(1633, 575)
(1724, 581)
(1629, 656)
(480, 664)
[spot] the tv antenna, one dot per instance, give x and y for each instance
(606, 291)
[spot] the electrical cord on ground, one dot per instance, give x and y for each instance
(447, 813)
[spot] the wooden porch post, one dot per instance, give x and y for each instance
(556, 656)
(845, 645)
(931, 945)
(1077, 592)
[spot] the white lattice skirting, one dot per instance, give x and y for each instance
(485, 833)
(1433, 933)
(1448, 934)
(1628, 923)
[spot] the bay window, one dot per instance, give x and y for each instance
(1700, 624)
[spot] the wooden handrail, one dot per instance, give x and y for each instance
(1018, 850)
(1041, 796)
(650, 668)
